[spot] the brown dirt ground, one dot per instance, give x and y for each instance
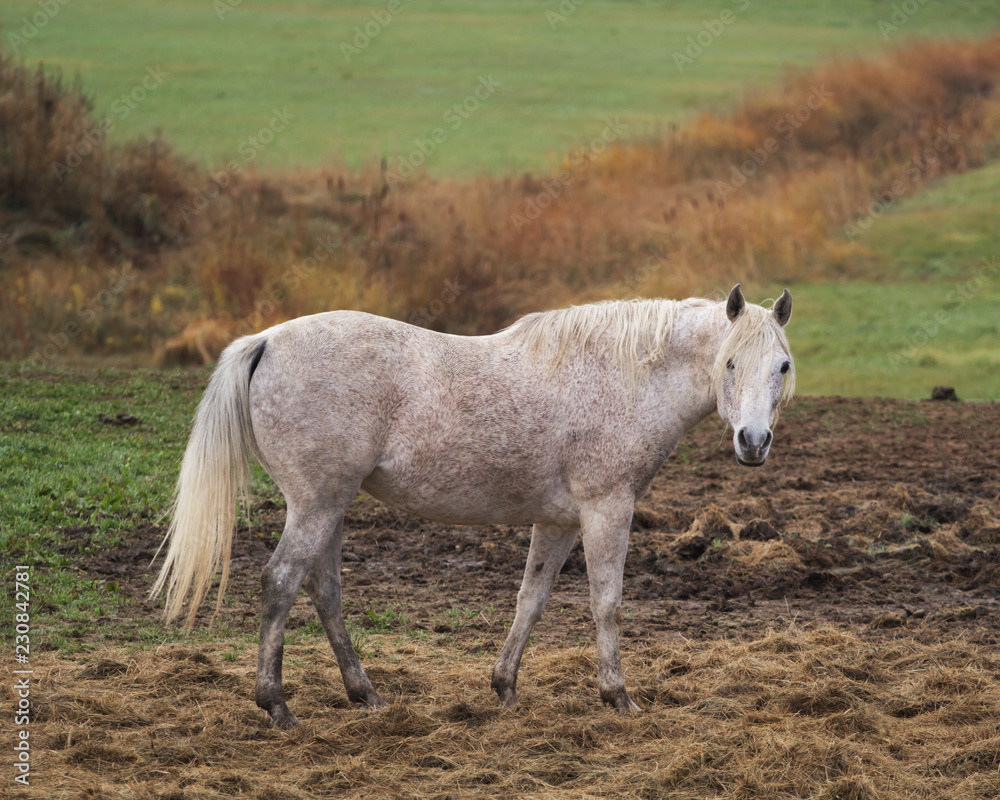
(822, 627)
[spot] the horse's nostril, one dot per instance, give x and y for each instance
(767, 439)
(741, 437)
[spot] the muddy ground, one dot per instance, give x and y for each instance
(870, 540)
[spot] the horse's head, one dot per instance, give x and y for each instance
(753, 373)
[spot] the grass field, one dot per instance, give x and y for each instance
(63, 468)
(926, 312)
(560, 79)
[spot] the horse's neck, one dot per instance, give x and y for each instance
(683, 376)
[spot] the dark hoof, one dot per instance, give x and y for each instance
(284, 721)
(620, 701)
(369, 698)
(508, 698)
(505, 691)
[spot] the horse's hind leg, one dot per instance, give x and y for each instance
(323, 585)
(546, 556)
(303, 543)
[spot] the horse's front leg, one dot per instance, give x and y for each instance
(605, 529)
(546, 556)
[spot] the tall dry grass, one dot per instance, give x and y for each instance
(61, 181)
(762, 193)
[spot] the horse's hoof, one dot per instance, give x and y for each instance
(631, 708)
(508, 699)
(506, 693)
(284, 722)
(620, 701)
(367, 697)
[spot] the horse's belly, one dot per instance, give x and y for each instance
(470, 501)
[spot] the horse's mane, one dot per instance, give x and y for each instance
(638, 332)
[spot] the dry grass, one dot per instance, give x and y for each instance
(795, 714)
(662, 217)
(61, 182)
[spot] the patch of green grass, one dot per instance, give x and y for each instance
(884, 339)
(460, 614)
(233, 653)
(385, 619)
(945, 232)
(926, 316)
(63, 470)
(560, 78)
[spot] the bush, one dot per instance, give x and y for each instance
(59, 172)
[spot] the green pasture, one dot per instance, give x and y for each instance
(64, 470)
(563, 66)
(885, 339)
(928, 312)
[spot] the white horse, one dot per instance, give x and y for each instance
(559, 421)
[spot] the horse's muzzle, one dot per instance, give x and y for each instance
(752, 446)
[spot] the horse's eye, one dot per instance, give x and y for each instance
(785, 367)
(729, 364)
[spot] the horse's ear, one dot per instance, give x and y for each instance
(783, 308)
(735, 304)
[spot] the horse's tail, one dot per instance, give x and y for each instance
(215, 468)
